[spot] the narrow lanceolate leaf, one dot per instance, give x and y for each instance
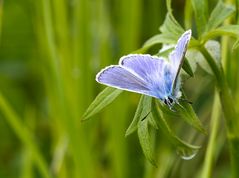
(187, 113)
(230, 30)
(101, 101)
(152, 122)
(213, 47)
(142, 111)
(219, 14)
(145, 140)
(171, 27)
(200, 8)
(161, 119)
(158, 39)
(170, 22)
(171, 31)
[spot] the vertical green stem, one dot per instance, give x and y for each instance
(210, 153)
(1, 14)
(232, 123)
(188, 14)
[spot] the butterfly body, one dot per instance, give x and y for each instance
(149, 75)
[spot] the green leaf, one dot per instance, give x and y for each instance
(170, 22)
(103, 99)
(187, 113)
(152, 122)
(160, 38)
(145, 140)
(171, 31)
(200, 8)
(219, 14)
(143, 110)
(230, 30)
(213, 47)
(171, 27)
(160, 118)
(165, 50)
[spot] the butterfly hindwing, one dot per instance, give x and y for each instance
(177, 55)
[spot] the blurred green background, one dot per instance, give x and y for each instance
(50, 52)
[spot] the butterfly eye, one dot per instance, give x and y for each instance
(170, 100)
(165, 101)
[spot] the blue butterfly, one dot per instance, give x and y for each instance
(149, 75)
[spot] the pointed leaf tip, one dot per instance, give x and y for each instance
(103, 99)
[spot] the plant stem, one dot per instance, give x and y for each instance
(1, 15)
(229, 110)
(210, 153)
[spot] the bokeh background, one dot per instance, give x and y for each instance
(50, 52)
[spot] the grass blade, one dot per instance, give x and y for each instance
(24, 135)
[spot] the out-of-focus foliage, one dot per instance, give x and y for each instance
(50, 51)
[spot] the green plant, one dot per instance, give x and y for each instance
(207, 27)
(50, 51)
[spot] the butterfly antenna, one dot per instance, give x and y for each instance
(185, 100)
(179, 104)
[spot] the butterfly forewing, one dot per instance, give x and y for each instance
(119, 77)
(177, 55)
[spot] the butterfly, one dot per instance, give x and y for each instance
(149, 75)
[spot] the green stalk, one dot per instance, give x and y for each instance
(1, 15)
(211, 148)
(229, 111)
(59, 80)
(188, 14)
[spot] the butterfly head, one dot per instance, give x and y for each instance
(169, 101)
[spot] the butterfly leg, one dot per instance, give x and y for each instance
(179, 104)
